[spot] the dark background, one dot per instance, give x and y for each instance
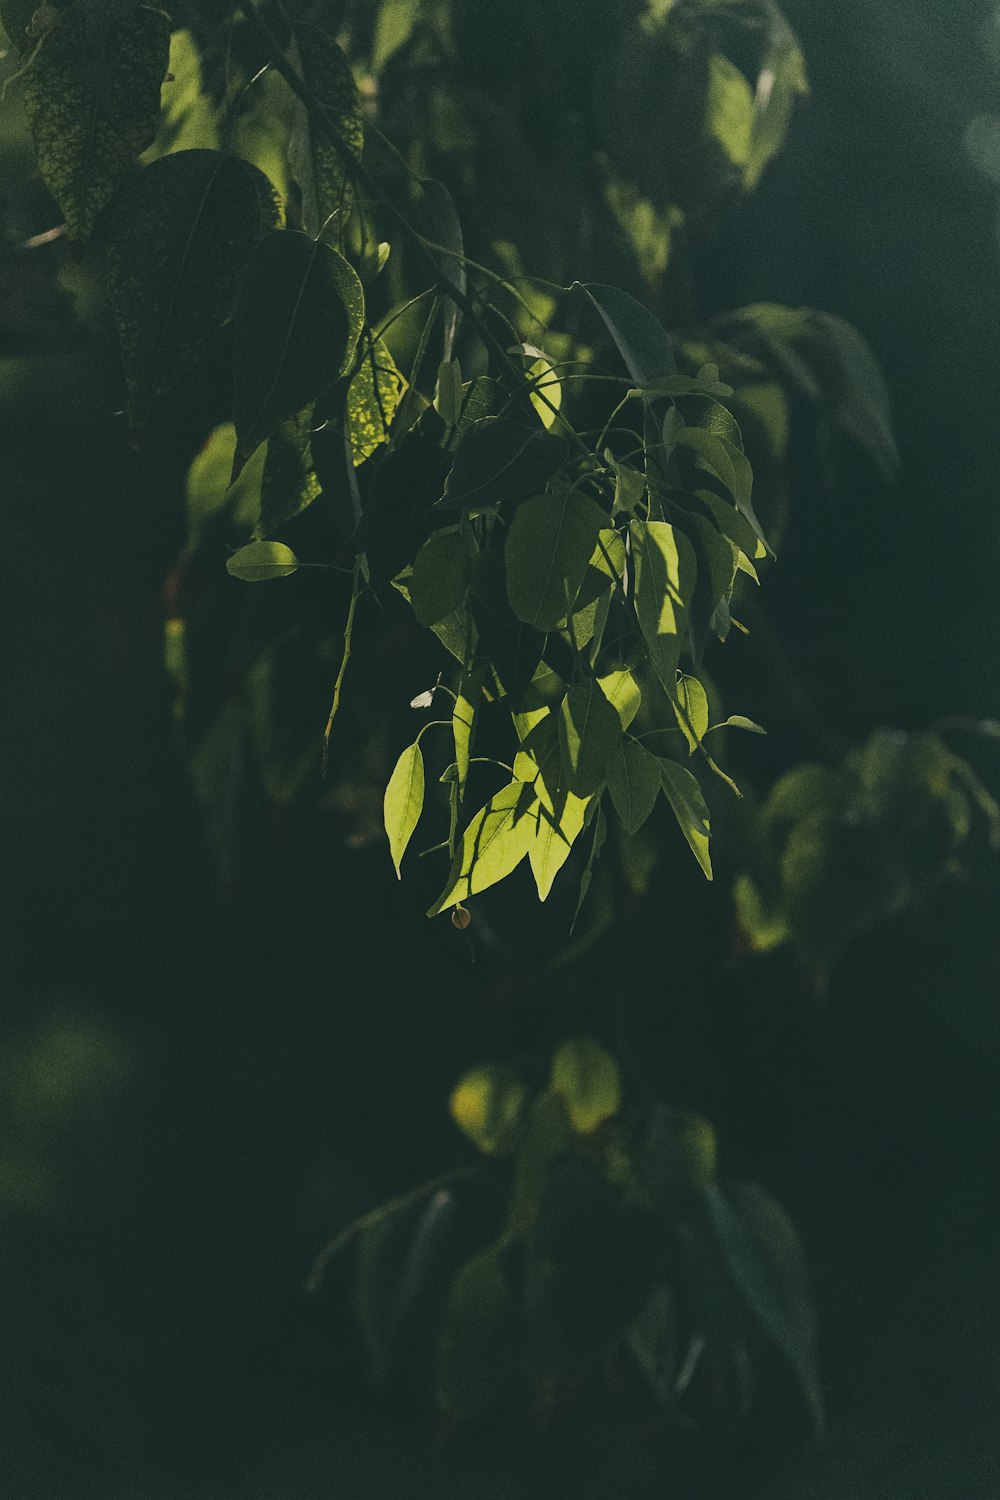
(193, 1095)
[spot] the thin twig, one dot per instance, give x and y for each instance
(348, 631)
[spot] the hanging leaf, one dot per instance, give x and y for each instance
(331, 82)
(499, 460)
(588, 1081)
(691, 707)
(560, 816)
(373, 396)
(780, 81)
(480, 1346)
(589, 733)
(440, 576)
(729, 463)
(445, 229)
(259, 560)
(463, 721)
(622, 691)
(180, 234)
(289, 484)
(738, 721)
(492, 846)
(642, 341)
(187, 117)
(665, 575)
(208, 491)
(685, 797)
(404, 801)
(549, 545)
(634, 783)
(92, 98)
(299, 316)
(487, 1106)
(406, 483)
(597, 844)
(546, 390)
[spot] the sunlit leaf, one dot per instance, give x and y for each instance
(685, 797)
(634, 783)
(739, 721)
(404, 801)
(373, 395)
(259, 560)
(665, 575)
(588, 1081)
(763, 928)
(487, 1105)
(463, 720)
(187, 118)
(493, 845)
(299, 316)
(691, 706)
(208, 490)
(92, 98)
(729, 109)
(550, 542)
(546, 390)
(180, 234)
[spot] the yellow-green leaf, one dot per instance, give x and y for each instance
(487, 1105)
(404, 801)
(493, 845)
(588, 1081)
(685, 797)
(373, 397)
(260, 560)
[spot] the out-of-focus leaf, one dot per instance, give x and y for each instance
(92, 97)
(404, 801)
(187, 117)
(588, 1081)
(299, 316)
(180, 234)
(445, 229)
(487, 1105)
(480, 1347)
(329, 76)
(209, 492)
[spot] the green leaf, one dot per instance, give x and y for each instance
(373, 396)
(765, 1260)
(445, 229)
(208, 491)
(588, 1081)
(404, 801)
(685, 797)
(328, 74)
(560, 815)
(463, 720)
(622, 691)
(546, 390)
(187, 118)
(784, 67)
(549, 545)
(691, 706)
(448, 392)
(729, 110)
(634, 783)
(180, 234)
(641, 340)
(487, 1105)
(597, 844)
(260, 560)
(665, 575)
(493, 845)
(440, 577)
(729, 463)
(738, 721)
(289, 484)
(589, 733)
(480, 1347)
(92, 98)
(499, 460)
(299, 316)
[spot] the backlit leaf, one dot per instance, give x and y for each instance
(373, 395)
(622, 691)
(440, 577)
(486, 1105)
(588, 1081)
(691, 707)
(259, 560)
(404, 801)
(589, 733)
(299, 316)
(685, 797)
(92, 97)
(493, 845)
(550, 542)
(665, 575)
(181, 232)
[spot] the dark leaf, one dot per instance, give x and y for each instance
(499, 460)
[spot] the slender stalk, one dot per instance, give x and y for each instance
(348, 632)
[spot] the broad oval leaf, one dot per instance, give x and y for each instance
(487, 1104)
(404, 801)
(259, 560)
(180, 234)
(549, 545)
(589, 734)
(299, 316)
(588, 1081)
(92, 97)
(685, 797)
(480, 1348)
(499, 460)
(492, 846)
(691, 707)
(642, 341)
(622, 691)
(440, 576)
(634, 783)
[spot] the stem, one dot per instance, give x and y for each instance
(348, 632)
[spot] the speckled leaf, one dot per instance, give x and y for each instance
(180, 234)
(372, 399)
(299, 316)
(92, 97)
(328, 74)
(289, 483)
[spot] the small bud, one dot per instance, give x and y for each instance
(461, 918)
